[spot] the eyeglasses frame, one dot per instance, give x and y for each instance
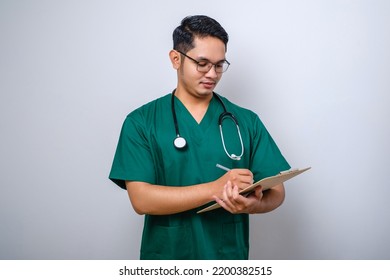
(208, 63)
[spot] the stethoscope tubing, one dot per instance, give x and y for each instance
(180, 142)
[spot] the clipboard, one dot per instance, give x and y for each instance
(266, 183)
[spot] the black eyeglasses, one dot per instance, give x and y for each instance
(204, 66)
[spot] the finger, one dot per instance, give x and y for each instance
(227, 198)
(228, 189)
(247, 180)
(240, 173)
(243, 171)
(244, 180)
(238, 201)
(219, 200)
(235, 192)
(224, 205)
(260, 193)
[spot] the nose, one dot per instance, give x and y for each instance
(212, 73)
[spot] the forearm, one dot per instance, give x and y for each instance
(164, 200)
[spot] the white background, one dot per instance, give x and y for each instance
(316, 72)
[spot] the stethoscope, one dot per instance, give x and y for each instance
(180, 142)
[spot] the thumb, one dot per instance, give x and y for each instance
(259, 192)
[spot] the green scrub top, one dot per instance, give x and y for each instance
(146, 153)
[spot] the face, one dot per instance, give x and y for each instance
(190, 80)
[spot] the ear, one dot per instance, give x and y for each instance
(175, 59)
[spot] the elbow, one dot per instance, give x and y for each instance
(134, 192)
(281, 196)
(139, 211)
(139, 208)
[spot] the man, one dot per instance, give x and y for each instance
(169, 183)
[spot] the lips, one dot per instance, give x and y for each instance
(208, 85)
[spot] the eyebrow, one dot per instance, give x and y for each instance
(201, 58)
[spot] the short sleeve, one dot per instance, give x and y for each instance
(132, 160)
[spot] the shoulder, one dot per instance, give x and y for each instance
(150, 109)
(141, 118)
(248, 120)
(239, 111)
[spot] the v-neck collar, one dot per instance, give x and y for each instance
(184, 116)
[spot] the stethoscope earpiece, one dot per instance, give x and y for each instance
(180, 142)
(233, 156)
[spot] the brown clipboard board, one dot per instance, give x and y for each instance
(266, 183)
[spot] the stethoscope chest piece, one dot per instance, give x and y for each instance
(179, 142)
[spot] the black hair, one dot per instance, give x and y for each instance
(197, 26)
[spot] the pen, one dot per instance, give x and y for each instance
(222, 167)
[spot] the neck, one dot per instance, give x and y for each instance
(196, 105)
